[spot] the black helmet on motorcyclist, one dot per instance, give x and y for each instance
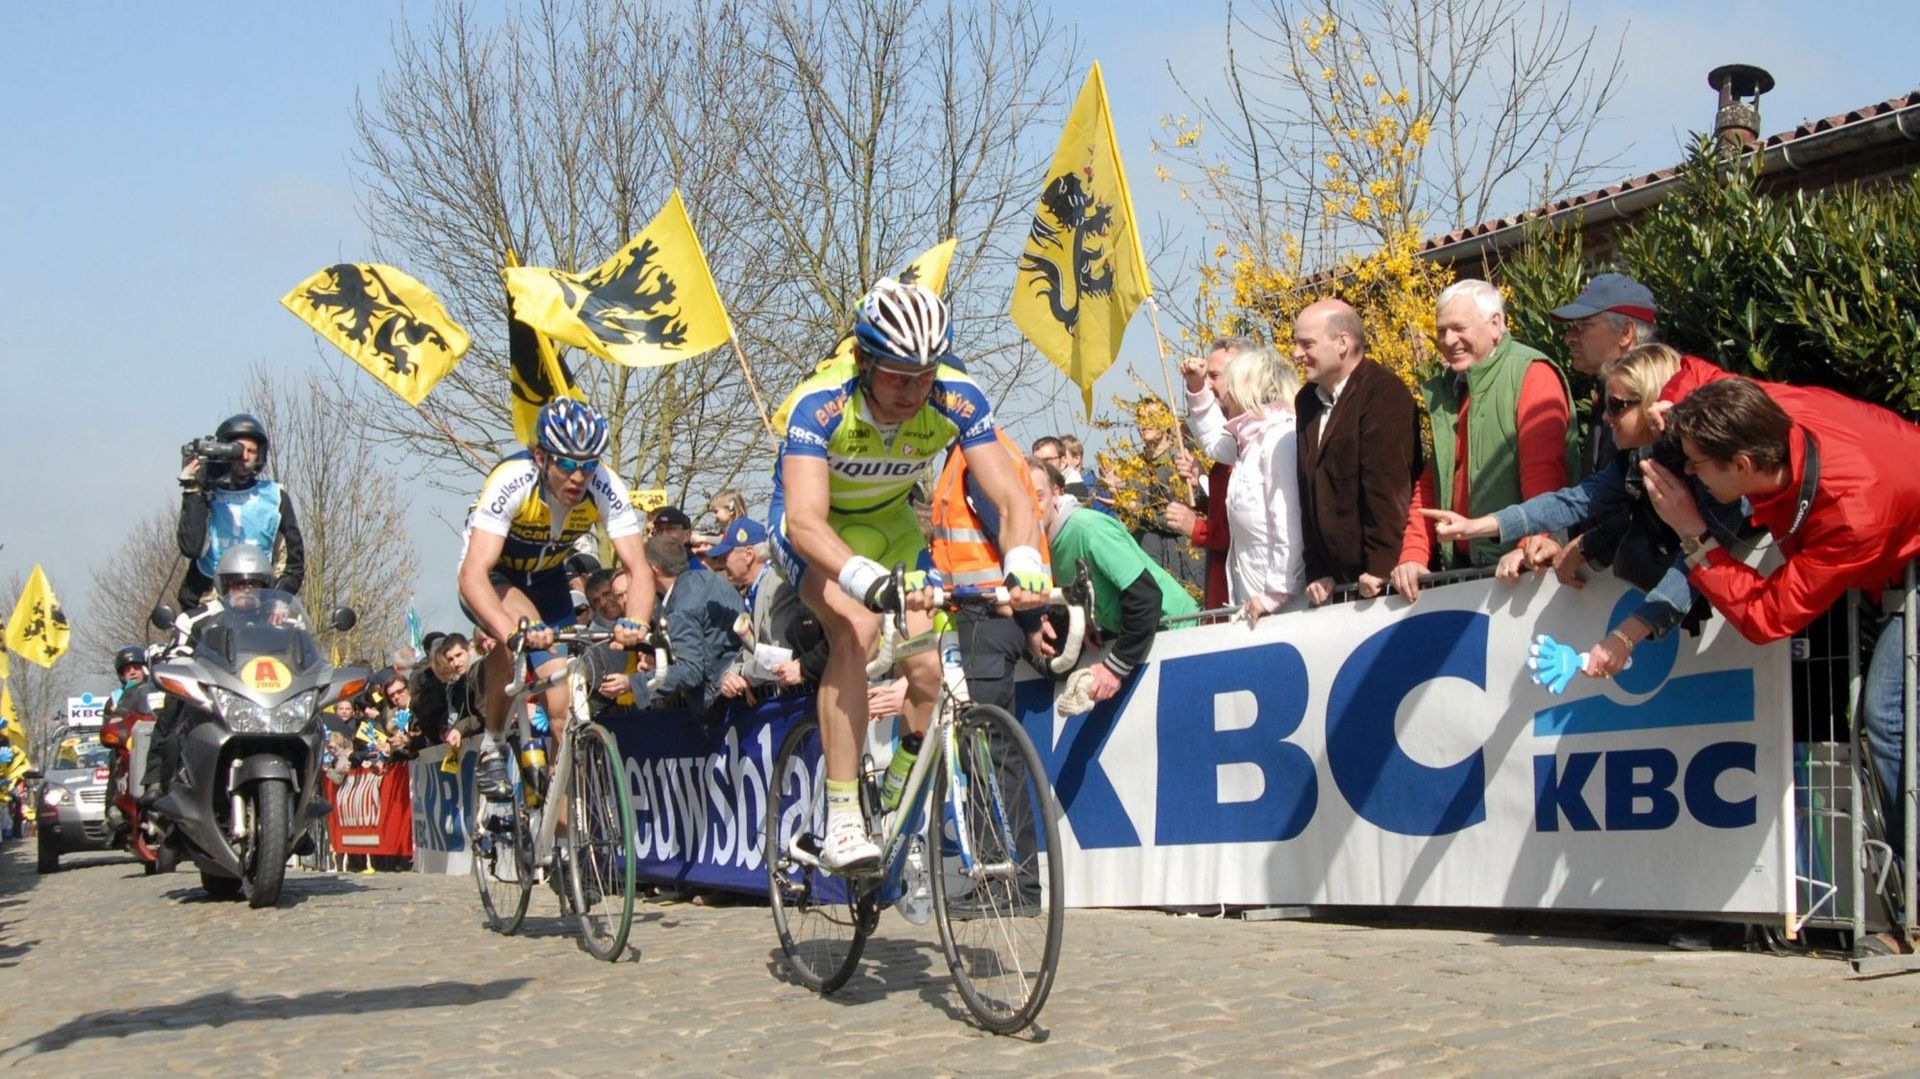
(242, 570)
(131, 656)
(245, 425)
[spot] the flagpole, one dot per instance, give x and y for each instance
(1179, 429)
(766, 421)
(455, 439)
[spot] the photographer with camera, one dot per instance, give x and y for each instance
(225, 501)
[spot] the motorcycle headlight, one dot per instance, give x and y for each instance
(56, 796)
(244, 716)
(292, 715)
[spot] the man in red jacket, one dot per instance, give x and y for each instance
(1832, 479)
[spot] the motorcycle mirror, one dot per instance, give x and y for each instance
(343, 619)
(163, 616)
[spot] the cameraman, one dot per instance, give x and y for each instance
(223, 474)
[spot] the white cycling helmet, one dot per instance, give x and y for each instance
(904, 324)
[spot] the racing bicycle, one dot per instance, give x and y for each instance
(977, 825)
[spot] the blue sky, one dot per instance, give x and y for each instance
(171, 170)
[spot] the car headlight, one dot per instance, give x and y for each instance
(57, 796)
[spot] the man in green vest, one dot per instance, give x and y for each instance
(1502, 432)
(1131, 592)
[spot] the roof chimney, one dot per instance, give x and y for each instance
(1736, 126)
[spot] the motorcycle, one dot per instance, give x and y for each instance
(252, 685)
(128, 732)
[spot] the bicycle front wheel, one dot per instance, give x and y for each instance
(600, 876)
(821, 918)
(502, 855)
(997, 895)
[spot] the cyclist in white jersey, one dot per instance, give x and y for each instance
(519, 534)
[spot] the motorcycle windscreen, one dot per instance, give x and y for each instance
(259, 624)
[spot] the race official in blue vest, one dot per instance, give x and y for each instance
(224, 502)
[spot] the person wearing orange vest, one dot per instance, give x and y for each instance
(961, 541)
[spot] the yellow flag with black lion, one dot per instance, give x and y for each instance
(1082, 274)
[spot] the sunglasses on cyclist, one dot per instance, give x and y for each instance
(1617, 405)
(570, 465)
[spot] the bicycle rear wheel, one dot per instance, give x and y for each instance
(600, 875)
(1001, 917)
(822, 919)
(502, 855)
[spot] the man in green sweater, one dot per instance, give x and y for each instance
(1131, 592)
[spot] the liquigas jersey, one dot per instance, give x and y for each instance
(539, 535)
(826, 417)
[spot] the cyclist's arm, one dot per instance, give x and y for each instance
(483, 553)
(631, 550)
(990, 465)
(805, 481)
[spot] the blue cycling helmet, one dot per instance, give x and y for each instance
(571, 428)
(904, 324)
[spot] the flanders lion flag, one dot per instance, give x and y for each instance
(384, 321)
(37, 630)
(535, 372)
(1082, 274)
(653, 303)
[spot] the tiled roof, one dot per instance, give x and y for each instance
(1811, 127)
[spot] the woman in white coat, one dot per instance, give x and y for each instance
(1251, 427)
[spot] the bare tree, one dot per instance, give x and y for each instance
(1505, 93)
(349, 507)
(141, 573)
(817, 146)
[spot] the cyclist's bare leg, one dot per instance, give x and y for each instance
(851, 632)
(499, 662)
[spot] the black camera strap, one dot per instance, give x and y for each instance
(1809, 484)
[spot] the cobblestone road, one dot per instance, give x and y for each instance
(106, 972)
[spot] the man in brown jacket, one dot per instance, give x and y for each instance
(1359, 453)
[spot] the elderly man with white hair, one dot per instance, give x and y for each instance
(1502, 433)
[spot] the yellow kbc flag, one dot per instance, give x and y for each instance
(652, 304)
(1082, 274)
(37, 630)
(535, 372)
(385, 321)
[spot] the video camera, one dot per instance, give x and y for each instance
(212, 450)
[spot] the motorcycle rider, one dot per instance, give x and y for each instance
(130, 667)
(243, 570)
(224, 503)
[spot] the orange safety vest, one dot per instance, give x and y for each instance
(962, 551)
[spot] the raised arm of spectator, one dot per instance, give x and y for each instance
(1208, 425)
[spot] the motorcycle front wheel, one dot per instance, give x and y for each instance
(267, 851)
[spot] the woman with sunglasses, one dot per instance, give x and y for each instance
(534, 506)
(1621, 530)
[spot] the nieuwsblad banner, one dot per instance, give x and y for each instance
(1363, 754)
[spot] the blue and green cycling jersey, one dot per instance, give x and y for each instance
(870, 469)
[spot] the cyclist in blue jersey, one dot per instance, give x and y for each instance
(858, 437)
(521, 529)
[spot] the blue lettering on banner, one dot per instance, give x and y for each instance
(1271, 682)
(1073, 762)
(1639, 788)
(1627, 789)
(442, 805)
(1384, 786)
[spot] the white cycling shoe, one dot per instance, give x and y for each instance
(846, 848)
